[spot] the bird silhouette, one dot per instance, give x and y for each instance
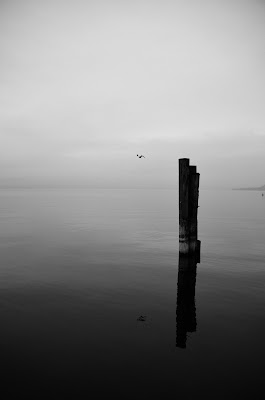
(140, 156)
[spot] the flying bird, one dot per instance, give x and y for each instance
(140, 156)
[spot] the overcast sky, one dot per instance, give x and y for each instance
(86, 85)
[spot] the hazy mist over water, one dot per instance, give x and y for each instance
(78, 267)
(86, 85)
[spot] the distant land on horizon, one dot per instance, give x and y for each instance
(252, 188)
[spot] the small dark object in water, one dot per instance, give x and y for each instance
(141, 318)
(262, 194)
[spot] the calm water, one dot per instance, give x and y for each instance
(78, 267)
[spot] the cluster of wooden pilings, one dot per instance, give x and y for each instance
(188, 207)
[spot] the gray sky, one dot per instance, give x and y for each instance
(86, 85)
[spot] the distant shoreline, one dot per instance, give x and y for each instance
(261, 188)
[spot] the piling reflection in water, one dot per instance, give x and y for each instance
(186, 309)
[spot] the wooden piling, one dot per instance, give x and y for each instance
(184, 173)
(193, 210)
(188, 206)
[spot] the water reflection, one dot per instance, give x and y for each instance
(186, 310)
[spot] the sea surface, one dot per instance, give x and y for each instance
(78, 267)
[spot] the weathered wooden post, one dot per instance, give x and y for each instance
(188, 206)
(184, 173)
(193, 208)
